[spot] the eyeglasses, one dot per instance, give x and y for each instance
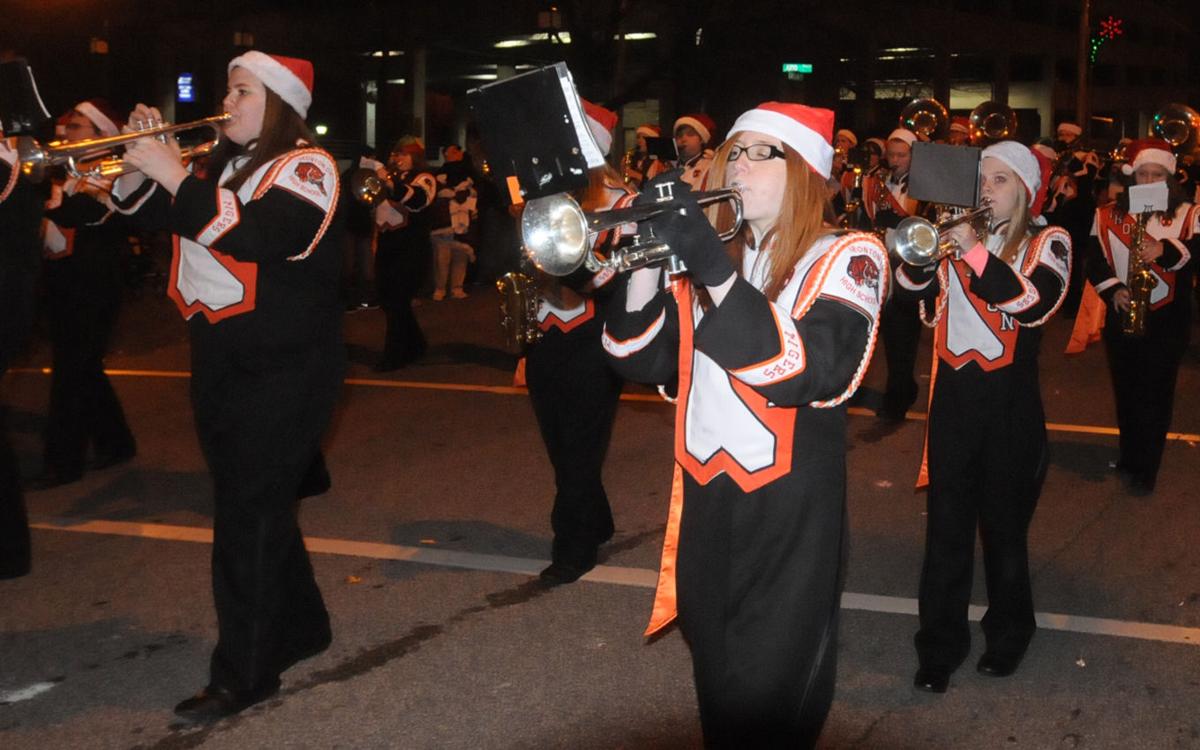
(756, 152)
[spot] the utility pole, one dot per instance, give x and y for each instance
(1083, 52)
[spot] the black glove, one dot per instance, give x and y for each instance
(685, 228)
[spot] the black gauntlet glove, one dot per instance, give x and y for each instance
(685, 228)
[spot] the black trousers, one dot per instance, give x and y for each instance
(260, 418)
(759, 583)
(1144, 371)
(402, 262)
(575, 395)
(14, 525)
(987, 460)
(84, 408)
(901, 331)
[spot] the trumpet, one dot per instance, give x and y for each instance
(94, 157)
(558, 235)
(367, 187)
(920, 242)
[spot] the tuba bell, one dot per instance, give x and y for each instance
(1178, 125)
(927, 118)
(992, 122)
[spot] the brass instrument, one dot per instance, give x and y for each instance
(94, 157)
(368, 187)
(919, 242)
(558, 235)
(927, 118)
(627, 166)
(856, 162)
(1141, 282)
(992, 122)
(1178, 125)
(518, 311)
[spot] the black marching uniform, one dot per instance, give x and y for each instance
(403, 253)
(760, 500)
(255, 273)
(83, 242)
(575, 394)
(1071, 204)
(20, 216)
(886, 203)
(1144, 369)
(986, 439)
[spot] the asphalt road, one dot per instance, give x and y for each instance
(425, 547)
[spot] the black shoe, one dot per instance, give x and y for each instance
(998, 663)
(932, 679)
(50, 479)
(306, 652)
(107, 460)
(215, 702)
(559, 573)
(14, 566)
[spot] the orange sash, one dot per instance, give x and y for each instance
(664, 610)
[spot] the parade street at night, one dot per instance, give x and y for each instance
(428, 545)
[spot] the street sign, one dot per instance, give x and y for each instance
(797, 67)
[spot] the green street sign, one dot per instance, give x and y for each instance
(797, 67)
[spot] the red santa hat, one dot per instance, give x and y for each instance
(1069, 127)
(409, 144)
(649, 130)
(289, 77)
(960, 125)
(807, 130)
(1149, 151)
(600, 122)
(700, 122)
(1045, 151)
(101, 114)
(1031, 168)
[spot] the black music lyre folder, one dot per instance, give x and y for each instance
(22, 112)
(535, 133)
(945, 174)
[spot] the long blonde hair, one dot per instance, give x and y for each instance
(801, 220)
(1020, 228)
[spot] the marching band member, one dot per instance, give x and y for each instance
(768, 336)
(404, 250)
(83, 240)
(1144, 368)
(255, 273)
(959, 133)
(986, 438)
(886, 200)
(692, 135)
(642, 165)
(20, 215)
(1071, 204)
(1066, 134)
(573, 390)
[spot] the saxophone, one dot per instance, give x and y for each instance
(518, 311)
(1140, 282)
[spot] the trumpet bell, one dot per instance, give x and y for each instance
(366, 187)
(555, 232)
(915, 241)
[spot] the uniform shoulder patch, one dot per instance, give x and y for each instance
(310, 174)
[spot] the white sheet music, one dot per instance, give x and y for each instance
(591, 150)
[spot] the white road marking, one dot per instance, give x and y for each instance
(612, 574)
(508, 390)
(28, 692)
